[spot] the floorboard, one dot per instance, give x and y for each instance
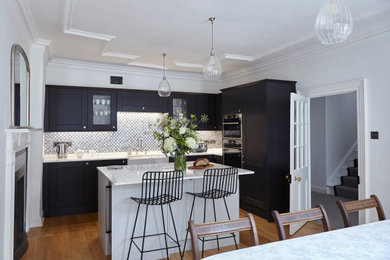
(75, 237)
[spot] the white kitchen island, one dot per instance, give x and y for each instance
(117, 211)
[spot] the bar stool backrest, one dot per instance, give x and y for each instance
(161, 187)
(219, 183)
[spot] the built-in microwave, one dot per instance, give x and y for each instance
(232, 126)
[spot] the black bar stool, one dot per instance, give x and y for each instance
(158, 189)
(217, 184)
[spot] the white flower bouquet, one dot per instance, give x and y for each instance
(178, 136)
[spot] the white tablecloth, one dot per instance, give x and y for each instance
(369, 241)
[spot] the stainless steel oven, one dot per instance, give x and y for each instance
(232, 152)
(232, 126)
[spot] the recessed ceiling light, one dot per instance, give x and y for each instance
(237, 57)
(188, 65)
(147, 65)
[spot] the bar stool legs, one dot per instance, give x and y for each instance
(132, 234)
(166, 235)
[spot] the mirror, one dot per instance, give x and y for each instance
(20, 88)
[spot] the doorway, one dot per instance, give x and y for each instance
(334, 164)
(357, 87)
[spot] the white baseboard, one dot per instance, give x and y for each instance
(319, 189)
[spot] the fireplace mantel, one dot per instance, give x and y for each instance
(16, 140)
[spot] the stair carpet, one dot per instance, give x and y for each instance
(349, 183)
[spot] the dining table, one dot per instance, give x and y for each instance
(366, 241)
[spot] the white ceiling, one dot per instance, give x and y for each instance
(125, 31)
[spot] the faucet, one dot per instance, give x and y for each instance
(139, 143)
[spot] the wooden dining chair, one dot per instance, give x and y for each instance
(357, 205)
(221, 228)
(284, 219)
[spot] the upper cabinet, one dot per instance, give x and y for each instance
(179, 103)
(66, 109)
(95, 109)
(141, 101)
(233, 101)
(198, 105)
(79, 109)
(101, 110)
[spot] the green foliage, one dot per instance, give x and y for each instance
(178, 135)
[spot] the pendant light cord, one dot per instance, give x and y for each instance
(211, 19)
(164, 63)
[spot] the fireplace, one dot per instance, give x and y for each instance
(20, 235)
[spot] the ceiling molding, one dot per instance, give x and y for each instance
(365, 28)
(67, 29)
(28, 19)
(31, 26)
(147, 71)
(188, 65)
(228, 56)
(146, 65)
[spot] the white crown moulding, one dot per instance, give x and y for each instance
(188, 65)
(146, 65)
(228, 56)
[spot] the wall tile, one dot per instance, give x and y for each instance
(132, 130)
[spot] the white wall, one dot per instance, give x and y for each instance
(76, 73)
(12, 30)
(318, 144)
(341, 129)
(368, 58)
(333, 133)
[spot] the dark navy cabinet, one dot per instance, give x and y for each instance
(141, 101)
(233, 101)
(101, 110)
(71, 187)
(79, 109)
(196, 104)
(265, 108)
(66, 108)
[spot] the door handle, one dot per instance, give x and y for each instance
(288, 178)
(297, 178)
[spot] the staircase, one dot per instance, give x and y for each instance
(349, 183)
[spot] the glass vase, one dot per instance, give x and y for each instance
(180, 162)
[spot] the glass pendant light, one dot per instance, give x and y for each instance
(334, 23)
(212, 70)
(164, 89)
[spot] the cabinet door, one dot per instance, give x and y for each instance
(67, 109)
(218, 119)
(141, 101)
(233, 101)
(66, 188)
(94, 178)
(102, 110)
(179, 103)
(204, 104)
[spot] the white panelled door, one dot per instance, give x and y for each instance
(300, 190)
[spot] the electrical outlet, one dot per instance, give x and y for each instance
(374, 135)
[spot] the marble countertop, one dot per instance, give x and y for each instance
(126, 175)
(52, 158)
(368, 241)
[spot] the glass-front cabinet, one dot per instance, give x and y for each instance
(178, 104)
(102, 110)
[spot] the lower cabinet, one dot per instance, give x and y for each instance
(71, 187)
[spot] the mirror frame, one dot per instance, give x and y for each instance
(15, 48)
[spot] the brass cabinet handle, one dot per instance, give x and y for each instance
(297, 178)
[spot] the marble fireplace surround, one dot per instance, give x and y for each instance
(16, 140)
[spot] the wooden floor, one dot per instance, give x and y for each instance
(75, 237)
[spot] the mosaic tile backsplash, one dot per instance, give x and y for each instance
(133, 131)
